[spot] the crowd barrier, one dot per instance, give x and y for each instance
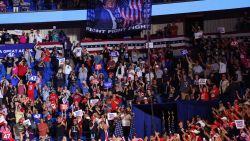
(177, 42)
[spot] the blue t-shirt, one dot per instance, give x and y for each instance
(85, 90)
(72, 88)
(37, 117)
(14, 81)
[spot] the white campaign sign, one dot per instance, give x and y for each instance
(111, 116)
(64, 100)
(240, 124)
(151, 45)
(202, 81)
(61, 61)
(198, 35)
(27, 122)
(93, 101)
(78, 113)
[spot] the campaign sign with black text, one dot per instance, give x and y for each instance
(202, 81)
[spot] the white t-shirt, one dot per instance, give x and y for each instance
(223, 67)
(121, 73)
(138, 71)
(197, 69)
(67, 69)
(147, 76)
(39, 38)
(125, 120)
(31, 37)
(1, 93)
(78, 51)
(131, 74)
(135, 56)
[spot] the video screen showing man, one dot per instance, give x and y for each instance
(107, 15)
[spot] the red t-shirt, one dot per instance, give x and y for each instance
(204, 96)
(30, 91)
(236, 107)
(53, 104)
(22, 70)
(77, 98)
(115, 103)
(46, 56)
(215, 92)
(53, 97)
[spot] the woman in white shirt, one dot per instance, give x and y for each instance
(131, 73)
(120, 71)
(39, 37)
(224, 83)
(223, 67)
(67, 70)
(126, 121)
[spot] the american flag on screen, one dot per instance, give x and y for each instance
(131, 12)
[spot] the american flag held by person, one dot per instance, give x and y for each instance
(118, 129)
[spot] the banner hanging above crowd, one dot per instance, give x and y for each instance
(114, 16)
(15, 50)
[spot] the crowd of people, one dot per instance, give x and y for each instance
(32, 36)
(227, 124)
(75, 94)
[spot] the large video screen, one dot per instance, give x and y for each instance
(160, 9)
